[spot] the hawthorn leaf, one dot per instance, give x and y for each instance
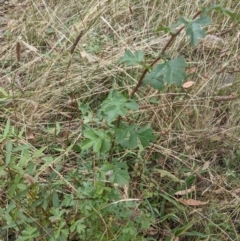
(154, 79)
(97, 145)
(145, 135)
(194, 28)
(130, 58)
(90, 134)
(131, 105)
(170, 72)
(105, 145)
(106, 167)
(119, 176)
(87, 144)
(120, 173)
(116, 105)
(121, 133)
(98, 140)
(126, 136)
(80, 226)
(129, 136)
(117, 172)
(132, 141)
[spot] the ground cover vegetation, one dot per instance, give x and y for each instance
(119, 120)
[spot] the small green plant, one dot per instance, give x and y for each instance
(92, 201)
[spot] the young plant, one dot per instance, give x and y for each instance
(94, 207)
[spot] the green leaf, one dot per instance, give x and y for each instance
(128, 135)
(24, 159)
(21, 148)
(117, 172)
(116, 105)
(119, 176)
(29, 233)
(6, 130)
(225, 11)
(9, 148)
(39, 152)
(80, 226)
(5, 94)
(181, 231)
(21, 186)
(132, 140)
(170, 72)
(55, 199)
(131, 59)
(166, 29)
(12, 189)
(106, 167)
(196, 234)
(169, 29)
(172, 201)
(194, 28)
(99, 140)
(145, 135)
(86, 144)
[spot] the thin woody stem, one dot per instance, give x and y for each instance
(145, 71)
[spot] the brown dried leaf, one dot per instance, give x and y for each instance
(219, 191)
(196, 210)
(29, 178)
(10, 23)
(206, 165)
(188, 84)
(192, 70)
(30, 136)
(30, 47)
(183, 192)
(192, 202)
(236, 191)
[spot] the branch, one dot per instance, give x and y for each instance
(145, 71)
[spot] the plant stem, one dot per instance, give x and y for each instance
(145, 71)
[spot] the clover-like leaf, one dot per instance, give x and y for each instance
(131, 59)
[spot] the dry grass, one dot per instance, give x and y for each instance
(45, 82)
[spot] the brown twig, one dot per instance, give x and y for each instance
(145, 71)
(224, 98)
(18, 51)
(76, 42)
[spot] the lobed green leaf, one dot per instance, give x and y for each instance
(131, 59)
(116, 105)
(194, 28)
(170, 72)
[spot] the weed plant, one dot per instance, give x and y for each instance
(119, 120)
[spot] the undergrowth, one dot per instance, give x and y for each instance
(119, 120)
